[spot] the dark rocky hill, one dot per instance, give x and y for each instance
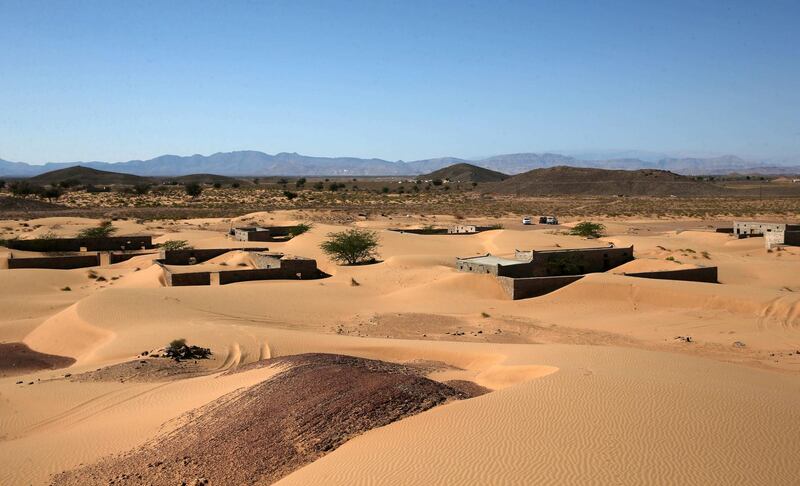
(601, 182)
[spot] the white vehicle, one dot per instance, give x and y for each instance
(548, 220)
(526, 220)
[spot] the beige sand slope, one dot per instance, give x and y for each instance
(592, 386)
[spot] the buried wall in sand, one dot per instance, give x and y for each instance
(69, 262)
(269, 266)
(700, 274)
(108, 243)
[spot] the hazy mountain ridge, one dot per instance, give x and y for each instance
(254, 163)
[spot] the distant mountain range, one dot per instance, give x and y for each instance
(253, 163)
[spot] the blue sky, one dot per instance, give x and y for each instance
(113, 81)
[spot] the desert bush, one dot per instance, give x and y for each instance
(588, 229)
(193, 189)
(351, 246)
(299, 229)
(23, 188)
(141, 188)
(289, 195)
(171, 245)
(300, 182)
(103, 230)
(51, 193)
(67, 183)
(178, 350)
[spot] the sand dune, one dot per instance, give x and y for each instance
(589, 383)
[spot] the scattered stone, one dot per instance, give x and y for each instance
(739, 344)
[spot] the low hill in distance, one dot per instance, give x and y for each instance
(86, 175)
(209, 179)
(464, 172)
(601, 182)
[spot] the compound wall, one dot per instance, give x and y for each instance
(523, 288)
(66, 262)
(111, 243)
(702, 274)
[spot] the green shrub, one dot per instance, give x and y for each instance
(351, 246)
(103, 230)
(171, 245)
(588, 229)
(141, 188)
(299, 229)
(193, 189)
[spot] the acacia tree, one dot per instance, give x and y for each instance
(351, 246)
(588, 229)
(103, 230)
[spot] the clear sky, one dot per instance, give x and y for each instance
(120, 80)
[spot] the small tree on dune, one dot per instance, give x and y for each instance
(351, 246)
(176, 245)
(588, 229)
(103, 230)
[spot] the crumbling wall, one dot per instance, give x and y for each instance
(263, 233)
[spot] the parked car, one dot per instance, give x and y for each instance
(526, 220)
(548, 220)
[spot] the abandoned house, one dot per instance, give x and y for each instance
(532, 273)
(548, 263)
(265, 266)
(467, 229)
(744, 229)
(69, 253)
(264, 233)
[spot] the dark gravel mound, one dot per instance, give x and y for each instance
(263, 433)
(18, 359)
